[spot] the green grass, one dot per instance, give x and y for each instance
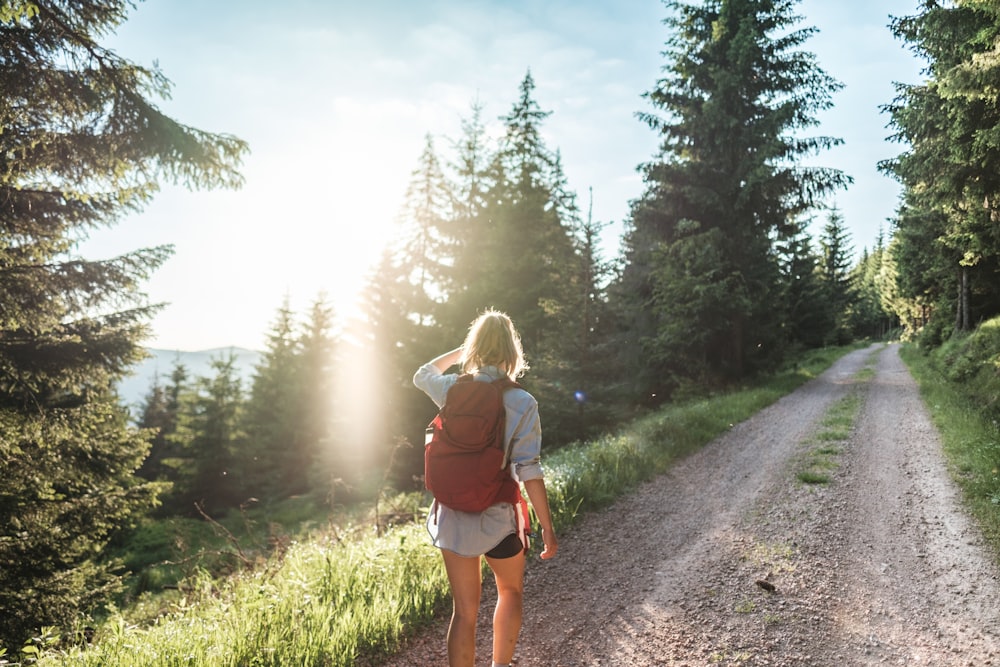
(835, 430)
(165, 551)
(812, 477)
(325, 603)
(970, 434)
(334, 597)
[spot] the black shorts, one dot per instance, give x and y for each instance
(508, 548)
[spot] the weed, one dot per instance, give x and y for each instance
(810, 477)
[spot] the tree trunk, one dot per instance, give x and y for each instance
(962, 308)
(736, 351)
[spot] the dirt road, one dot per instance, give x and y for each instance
(879, 567)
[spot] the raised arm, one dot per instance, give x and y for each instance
(447, 360)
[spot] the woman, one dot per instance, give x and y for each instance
(491, 350)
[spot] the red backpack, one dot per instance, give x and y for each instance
(465, 463)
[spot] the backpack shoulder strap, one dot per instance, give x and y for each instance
(504, 383)
(464, 378)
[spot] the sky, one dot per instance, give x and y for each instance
(336, 99)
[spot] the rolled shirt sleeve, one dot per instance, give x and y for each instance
(524, 433)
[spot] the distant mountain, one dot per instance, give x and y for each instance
(134, 388)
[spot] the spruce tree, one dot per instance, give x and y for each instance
(472, 177)
(269, 466)
(517, 252)
(319, 345)
(808, 316)
(167, 457)
(523, 258)
(81, 144)
(835, 270)
(211, 428)
(155, 417)
(382, 410)
(426, 249)
(596, 381)
(866, 315)
(737, 92)
(950, 169)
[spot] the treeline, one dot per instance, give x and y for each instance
(217, 444)
(732, 259)
(945, 249)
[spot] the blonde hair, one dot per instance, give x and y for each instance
(493, 341)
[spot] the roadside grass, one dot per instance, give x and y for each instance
(966, 418)
(336, 597)
(167, 555)
(324, 603)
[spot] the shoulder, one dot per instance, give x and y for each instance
(520, 399)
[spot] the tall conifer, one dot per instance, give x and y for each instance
(81, 144)
(950, 168)
(736, 93)
(835, 269)
(272, 420)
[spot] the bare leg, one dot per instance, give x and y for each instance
(465, 577)
(509, 573)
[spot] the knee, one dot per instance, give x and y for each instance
(511, 595)
(465, 613)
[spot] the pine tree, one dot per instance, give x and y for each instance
(319, 345)
(808, 316)
(81, 145)
(211, 426)
(736, 93)
(426, 249)
(270, 465)
(950, 168)
(835, 270)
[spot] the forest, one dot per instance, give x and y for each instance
(718, 281)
